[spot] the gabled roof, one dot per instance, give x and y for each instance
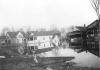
(14, 34)
(41, 33)
(76, 32)
(81, 28)
(43, 50)
(93, 24)
(25, 35)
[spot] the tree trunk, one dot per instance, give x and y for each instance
(99, 35)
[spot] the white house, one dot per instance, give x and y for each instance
(16, 37)
(40, 40)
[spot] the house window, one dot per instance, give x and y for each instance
(17, 41)
(24, 40)
(5, 41)
(35, 38)
(9, 41)
(36, 47)
(43, 38)
(44, 45)
(50, 44)
(97, 30)
(31, 38)
(20, 36)
(49, 37)
(32, 47)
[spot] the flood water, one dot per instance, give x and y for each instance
(84, 59)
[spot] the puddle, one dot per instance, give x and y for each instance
(82, 59)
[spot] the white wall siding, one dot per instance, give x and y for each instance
(45, 45)
(41, 42)
(19, 38)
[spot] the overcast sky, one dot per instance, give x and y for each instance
(45, 13)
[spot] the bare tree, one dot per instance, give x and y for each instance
(42, 29)
(53, 27)
(96, 5)
(4, 30)
(13, 29)
(28, 28)
(21, 29)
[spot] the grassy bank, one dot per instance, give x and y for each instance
(50, 63)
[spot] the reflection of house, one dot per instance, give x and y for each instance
(39, 40)
(16, 37)
(93, 31)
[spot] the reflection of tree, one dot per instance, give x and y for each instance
(63, 34)
(55, 51)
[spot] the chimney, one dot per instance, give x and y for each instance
(84, 25)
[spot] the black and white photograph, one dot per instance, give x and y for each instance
(49, 34)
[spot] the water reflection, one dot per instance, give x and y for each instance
(86, 54)
(91, 46)
(82, 58)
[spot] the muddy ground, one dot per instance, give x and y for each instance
(43, 64)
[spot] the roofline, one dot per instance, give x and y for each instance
(19, 32)
(8, 35)
(92, 23)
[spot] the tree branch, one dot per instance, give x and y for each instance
(95, 5)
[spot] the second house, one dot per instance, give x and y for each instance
(39, 40)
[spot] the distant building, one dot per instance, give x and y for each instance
(17, 37)
(93, 35)
(40, 39)
(76, 37)
(93, 31)
(79, 28)
(88, 35)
